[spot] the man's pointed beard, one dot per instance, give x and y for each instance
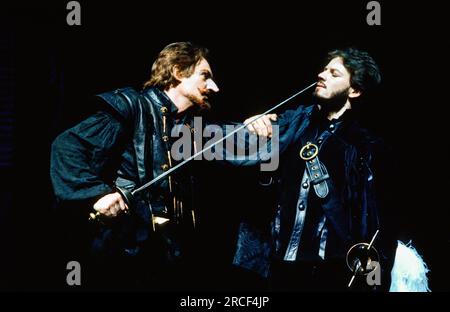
(334, 103)
(201, 105)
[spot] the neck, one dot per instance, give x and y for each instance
(180, 101)
(339, 113)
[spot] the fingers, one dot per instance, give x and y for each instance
(122, 204)
(262, 126)
(253, 126)
(267, 126)
(250, 126)
(110, 205)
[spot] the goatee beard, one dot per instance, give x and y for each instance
(200, 105)
(203, 106)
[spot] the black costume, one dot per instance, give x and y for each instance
(326, 203)
(125, 145)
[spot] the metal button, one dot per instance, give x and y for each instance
(163, 109)
(164, 167)
(301, 207)
(319, 141)
(165, 138)
(331, 126)
(305, 185)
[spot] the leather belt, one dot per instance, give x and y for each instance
(315, 174)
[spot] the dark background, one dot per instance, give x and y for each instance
(261, 54)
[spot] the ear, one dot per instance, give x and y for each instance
(353, 93)
(176, 72)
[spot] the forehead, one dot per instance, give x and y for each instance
(337, 64)
(203, 65)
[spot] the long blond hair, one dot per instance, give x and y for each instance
(184, 55)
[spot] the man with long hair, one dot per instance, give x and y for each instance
(126, 144)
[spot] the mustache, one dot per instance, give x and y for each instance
(321, 84)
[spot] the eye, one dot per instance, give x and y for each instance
(206, 75)
(334, 73)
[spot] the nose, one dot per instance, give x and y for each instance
(321, 76)
(211, 85)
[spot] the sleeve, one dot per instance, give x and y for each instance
(247, 149)
(80, 155)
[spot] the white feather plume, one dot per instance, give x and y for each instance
(409, 273)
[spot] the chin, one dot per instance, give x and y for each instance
(319, 97)
(318, 93)
(203, 105)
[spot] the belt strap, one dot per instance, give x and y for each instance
(315, 174)
(314, 168)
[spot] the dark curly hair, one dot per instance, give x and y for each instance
(364, 72)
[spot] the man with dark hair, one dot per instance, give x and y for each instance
(125, 145)
(326, 185)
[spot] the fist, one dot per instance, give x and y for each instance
(262, 126)
(110, 205)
